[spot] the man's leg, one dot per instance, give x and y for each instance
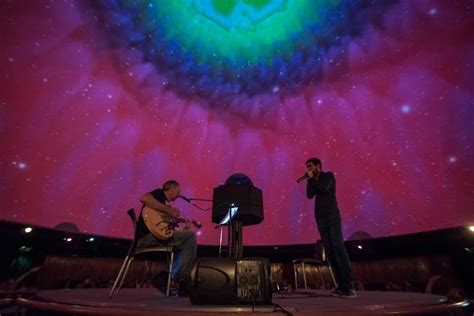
(340, 254)
(185, 240)
(323, 227)
(149, 241)
(160, 280)
(176, 264)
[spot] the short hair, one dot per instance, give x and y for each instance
(315, 161)
(170, 184)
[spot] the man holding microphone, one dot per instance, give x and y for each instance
(322, 186)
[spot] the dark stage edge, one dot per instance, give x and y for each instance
(151, 302)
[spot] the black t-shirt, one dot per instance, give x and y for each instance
(142, 230)
(324, 189)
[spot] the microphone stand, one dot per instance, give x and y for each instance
(204, 200)
(189, 200)
(220, 240)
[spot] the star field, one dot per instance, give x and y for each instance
(93, 113)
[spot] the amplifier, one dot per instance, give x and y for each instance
(231, 281)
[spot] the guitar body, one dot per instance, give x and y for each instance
(161, 225)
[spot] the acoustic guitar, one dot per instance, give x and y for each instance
(161, 225)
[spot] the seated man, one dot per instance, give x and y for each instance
(184, 240)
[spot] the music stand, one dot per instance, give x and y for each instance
(237, 203)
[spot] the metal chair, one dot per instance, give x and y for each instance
(316, 263)
(133, 252)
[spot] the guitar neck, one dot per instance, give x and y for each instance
(183, 220)
(167, 218)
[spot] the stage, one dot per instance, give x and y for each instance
(150, 301)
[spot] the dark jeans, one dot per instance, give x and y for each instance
(185, 241)
(331, 235)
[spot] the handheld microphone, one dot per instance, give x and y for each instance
(302, 178)
(185, 198)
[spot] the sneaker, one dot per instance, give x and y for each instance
(160, 281)
(335, 292)
(344, 293)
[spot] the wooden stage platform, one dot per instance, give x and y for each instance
(151, 302)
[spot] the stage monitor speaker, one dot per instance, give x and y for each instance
(231, 281)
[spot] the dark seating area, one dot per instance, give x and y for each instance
(439, 262)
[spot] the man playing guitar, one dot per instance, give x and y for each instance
(156, 227)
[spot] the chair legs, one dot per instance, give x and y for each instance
(120, 276)
(296, 276)
(332, 277)
(118, 283)
(318, 271)
(305, 282)
(170, 268)
(125, 273)
(295, 270)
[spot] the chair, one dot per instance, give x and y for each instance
(316, 263)
(431, 283)
(133, 251)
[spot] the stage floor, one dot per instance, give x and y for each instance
(150, 301)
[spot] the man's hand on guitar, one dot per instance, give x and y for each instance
(158, 222)
(174, 212)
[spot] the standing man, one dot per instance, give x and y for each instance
(322, 185)
(184, 240)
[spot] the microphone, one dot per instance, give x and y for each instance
(185, 198)
(302, 178)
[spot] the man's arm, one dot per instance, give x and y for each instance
(310, 188)
(149, 201)
(323, 183)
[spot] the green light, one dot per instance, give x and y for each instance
(24, 249)
(224, 7)
(231, 31)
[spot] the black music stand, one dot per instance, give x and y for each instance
(237, 203)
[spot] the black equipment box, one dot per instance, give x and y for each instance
(231, 281)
